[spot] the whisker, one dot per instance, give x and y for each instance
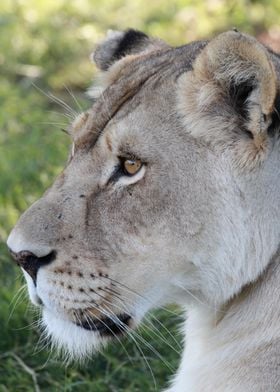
(53, 123)
(57, 100)
(159, 335)
(118, 339)
(30, 326)
(139, 295)
(154, 328)
(19, 300)
(166, 330)
(63, 104)
(143, 340)
(74, 98)
(68, 117)
(205, 304)
(17, 294)
(142, 355)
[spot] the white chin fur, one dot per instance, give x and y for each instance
(72, 341)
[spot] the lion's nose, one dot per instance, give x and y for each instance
(30, 262)
(29, 255)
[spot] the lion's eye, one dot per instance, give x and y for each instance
(131, 166)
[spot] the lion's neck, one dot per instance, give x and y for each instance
(246, 238)
(219, 342)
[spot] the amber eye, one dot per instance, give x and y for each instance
(131, 166)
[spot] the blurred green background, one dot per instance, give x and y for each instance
(44, 57)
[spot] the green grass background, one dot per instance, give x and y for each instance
(44, 45)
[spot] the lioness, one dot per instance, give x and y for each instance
(171, 194)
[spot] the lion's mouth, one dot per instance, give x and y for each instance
(106, 326)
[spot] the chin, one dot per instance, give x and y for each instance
(73, 342)
(78, 341)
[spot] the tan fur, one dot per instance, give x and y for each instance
(231, 57)
(197, 225)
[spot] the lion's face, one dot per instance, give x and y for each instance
(143, 213)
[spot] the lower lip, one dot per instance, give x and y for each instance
(107, 326)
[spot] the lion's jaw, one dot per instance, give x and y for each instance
(184, 228)
(83, 315)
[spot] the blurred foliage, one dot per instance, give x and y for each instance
(52, 39)
(45, 46)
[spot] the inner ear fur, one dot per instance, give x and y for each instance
(233, 84)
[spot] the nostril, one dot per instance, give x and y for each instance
(30, 262)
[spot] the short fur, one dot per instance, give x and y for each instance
(198, 225)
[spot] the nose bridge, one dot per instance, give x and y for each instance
(40, 227)
(41, 222)
(34, 235)
(32, 241)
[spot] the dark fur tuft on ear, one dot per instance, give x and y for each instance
(131, 42)
(119, 44)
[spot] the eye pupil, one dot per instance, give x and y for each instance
(132, 166)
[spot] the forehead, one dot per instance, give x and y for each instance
(142, 86)
(143, 124)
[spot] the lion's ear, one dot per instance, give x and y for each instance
(230, 93)
(119, 44)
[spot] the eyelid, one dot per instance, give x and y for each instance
(131, 157)
(128, 156)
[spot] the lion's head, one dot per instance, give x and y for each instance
(157, 201)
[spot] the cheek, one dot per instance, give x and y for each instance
(130, 222)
